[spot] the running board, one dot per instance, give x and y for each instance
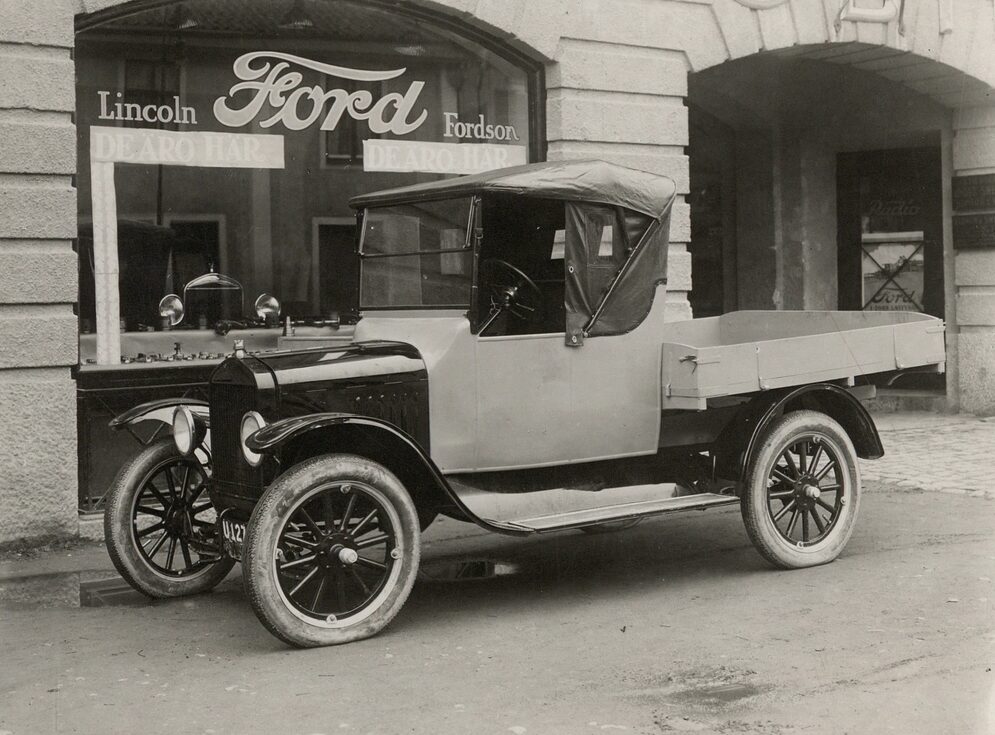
(622, 512)
(573, 507)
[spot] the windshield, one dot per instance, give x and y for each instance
(417, 255)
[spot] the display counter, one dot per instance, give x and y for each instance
(176, 363)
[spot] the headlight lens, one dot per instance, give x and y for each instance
(184, 431)
(251, 423)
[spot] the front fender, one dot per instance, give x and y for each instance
(161, 410)
(271, 437)
(403, 455)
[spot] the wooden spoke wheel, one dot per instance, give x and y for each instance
(331, 551)
(802, 491)
(160, 525)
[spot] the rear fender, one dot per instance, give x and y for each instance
(739, 441)
(295, 439)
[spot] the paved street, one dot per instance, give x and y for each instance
(942, 453)
(674, 626)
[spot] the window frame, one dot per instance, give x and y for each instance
(469, 245)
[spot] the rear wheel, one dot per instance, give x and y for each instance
(802, 491)
(331, 551)
(159, 524)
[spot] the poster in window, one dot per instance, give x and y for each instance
(893, 269)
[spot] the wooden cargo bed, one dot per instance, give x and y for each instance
(747, 351)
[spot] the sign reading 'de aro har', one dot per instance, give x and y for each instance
(271, 91)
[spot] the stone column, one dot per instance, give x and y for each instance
(974, 276)
(38, 274)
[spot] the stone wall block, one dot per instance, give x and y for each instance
(976, 309)
(47, 23)
(614, 68)
(37, 341)
(969, 20)
(679, 271)
(37, 148)
(677, 308)
(975, 268)
(33, 82)
(681, 26)
(810, 22)
(605, 117)
(38, 212)
(655, 159)
(38, 489)
(777, 27)
(503, 15)
(680, 221)
(28, 277)
(974, 117)
(976, 360)
(925, 36)
(974, 148)
(979, 61)
(541, 24)
(739, 28)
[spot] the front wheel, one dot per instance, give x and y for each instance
(331, 551)
(802, 491)
(160, 527)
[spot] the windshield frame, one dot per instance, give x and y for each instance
(468, 246)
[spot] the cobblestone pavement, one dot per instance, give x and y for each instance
(936, 452)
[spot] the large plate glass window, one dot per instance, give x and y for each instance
(237, 130)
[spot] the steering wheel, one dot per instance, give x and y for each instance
(511, 290)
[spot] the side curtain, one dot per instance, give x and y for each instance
(600, 242)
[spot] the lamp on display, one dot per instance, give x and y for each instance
(296, 18)
(171, 310)
(268, 309)
(182, 19)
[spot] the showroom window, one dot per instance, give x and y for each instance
(227, 137)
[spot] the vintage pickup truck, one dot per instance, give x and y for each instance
(512, 367)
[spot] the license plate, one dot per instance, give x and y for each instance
(232, 536)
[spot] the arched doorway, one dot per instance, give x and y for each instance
(818, 180)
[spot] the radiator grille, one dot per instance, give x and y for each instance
(229, 403)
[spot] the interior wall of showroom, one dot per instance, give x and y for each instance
(616, 76)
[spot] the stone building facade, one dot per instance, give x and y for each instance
(620, 78)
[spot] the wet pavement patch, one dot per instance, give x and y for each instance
(109, 592)
(68, 589)
(719, 694)
(465, 570)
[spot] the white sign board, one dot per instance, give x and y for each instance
(440, 158)
(185, 148)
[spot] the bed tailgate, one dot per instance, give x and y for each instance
(738, 353)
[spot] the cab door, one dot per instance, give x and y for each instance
(523, 401)
(542, 402)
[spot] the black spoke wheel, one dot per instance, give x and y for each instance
(802, 491)
(331, 551)
(159, 524)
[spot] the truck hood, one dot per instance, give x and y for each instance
(359, 362)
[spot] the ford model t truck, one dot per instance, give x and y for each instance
(512, 367)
